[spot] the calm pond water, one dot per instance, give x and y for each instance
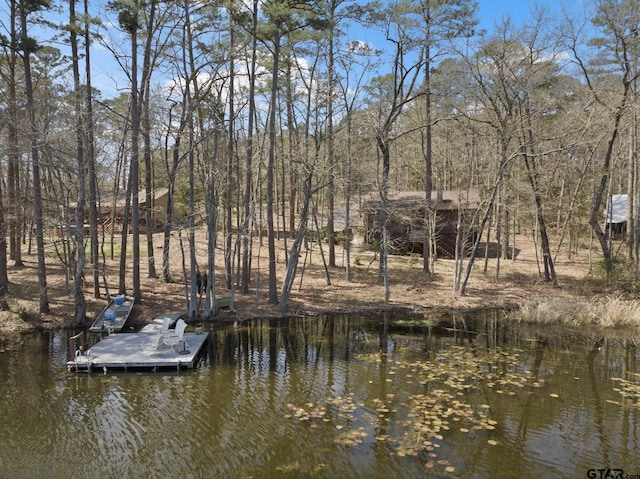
(331, 397)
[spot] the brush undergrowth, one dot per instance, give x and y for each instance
(607, 312)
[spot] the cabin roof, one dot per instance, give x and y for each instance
(415, 200)
(142, 198)
(616, 209)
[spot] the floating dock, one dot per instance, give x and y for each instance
(127, 351)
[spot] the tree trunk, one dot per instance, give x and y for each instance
(13, 169)
(486, 215)
(295, 248)
(347, 214)
(248, 183)
(90, 157)
(212, 219)
(549, 269)
(13, 154)
(532, 171)
(78, 256)
(230, 154)
(631, 188)
(135, 170)
(192, 310)
(331, 237)
(383, 146)
(35, 160)
(146, 133)
(594, 219)
(271, 239)
(428, 157)
(126, 216)
(166, 242)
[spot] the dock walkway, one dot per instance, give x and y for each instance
(123, 351)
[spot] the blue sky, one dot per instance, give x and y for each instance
(490, 11)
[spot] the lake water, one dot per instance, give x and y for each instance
(332, 397)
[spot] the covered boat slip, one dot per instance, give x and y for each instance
(133, 350)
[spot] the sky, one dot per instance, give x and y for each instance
(106, 74)
(491, 11)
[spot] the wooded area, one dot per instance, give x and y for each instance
(272, 118)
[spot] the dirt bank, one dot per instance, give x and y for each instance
(412, 290)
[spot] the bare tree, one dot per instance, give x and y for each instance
(90, 159)
(443, 21)
(10, 44)
(284, 17)
(78, 256)
(28, 46)
(248, 182)
(364, 56)
(145, 123)
(394, 91)
(617, 22)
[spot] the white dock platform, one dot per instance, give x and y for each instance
(124, 351)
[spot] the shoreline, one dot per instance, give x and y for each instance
(551, 312)
(320, 291)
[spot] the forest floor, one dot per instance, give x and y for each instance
(507, 283)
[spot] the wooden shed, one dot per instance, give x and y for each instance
(615, 215)
(158, 205)
(406, 212)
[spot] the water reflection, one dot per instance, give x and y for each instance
(331, 396)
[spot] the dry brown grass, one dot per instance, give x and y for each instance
(601, 311)
(518, 284)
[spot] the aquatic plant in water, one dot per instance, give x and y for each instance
(441, 401)
(629, 389)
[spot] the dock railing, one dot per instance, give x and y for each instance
(77, 343)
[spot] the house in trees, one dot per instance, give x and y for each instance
(406, 224)
(615, 216)
(114, 211)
